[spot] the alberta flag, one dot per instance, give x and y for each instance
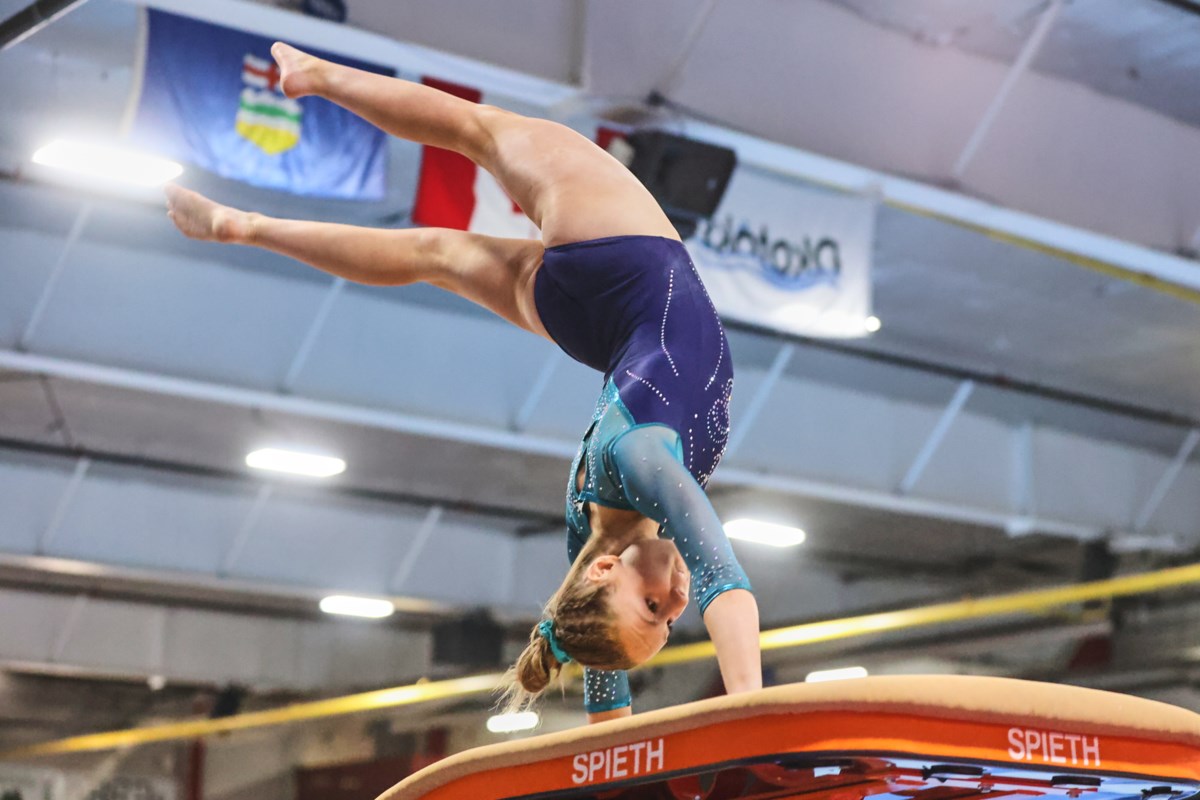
(455, 193)
(210, 97)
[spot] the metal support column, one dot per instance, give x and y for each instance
(69, 626)
(760, 397)
(1165, 482)
(1028, 52)
(961, 395)
(1022, 482)
(432, 518)
(540, 384)
(39, 309)
(156, 662)
(672, 73)
(61, 508)
(243, 534)
(310, 337)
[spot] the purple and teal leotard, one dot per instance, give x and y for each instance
(634, 308)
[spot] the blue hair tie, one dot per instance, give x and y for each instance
(546, 629)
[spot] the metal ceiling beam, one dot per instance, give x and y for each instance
(1170, 274)
(907, 504)
(159, 465)
(237, 397)
(182, 588)
(530, 445)
(1037, 601)
(33, 18)
(996, 379)
(151, 639)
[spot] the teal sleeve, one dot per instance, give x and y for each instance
(647, 462)
(605, 690)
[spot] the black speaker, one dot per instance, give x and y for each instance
(686, 177)
(228, 702)
(473, 641)
(334, 10)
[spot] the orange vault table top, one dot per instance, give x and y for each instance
(903, 738)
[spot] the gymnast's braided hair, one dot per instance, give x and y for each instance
(579, 624)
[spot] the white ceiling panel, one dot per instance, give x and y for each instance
(1139, 50)
(336, 542)
(530, 36)
(176, 316)
(117, 516)
(410, 357)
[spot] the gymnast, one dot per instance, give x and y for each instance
(611, 284)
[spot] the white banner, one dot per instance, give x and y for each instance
(782, 255)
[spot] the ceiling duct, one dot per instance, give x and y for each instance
(32, 19)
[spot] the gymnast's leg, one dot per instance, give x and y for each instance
(569, 187)
(490, 271)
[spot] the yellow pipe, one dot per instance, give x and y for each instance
(1112, 270)
(335, 706)
(1027, 602)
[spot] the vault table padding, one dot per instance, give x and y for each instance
(997, 720)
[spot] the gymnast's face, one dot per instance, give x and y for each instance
(649, 590)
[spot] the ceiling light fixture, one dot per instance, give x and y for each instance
(347, 606)
(844, 673)
(511, 723)
(751, 530)
(872, 324)
(296, 463)
(107, 163)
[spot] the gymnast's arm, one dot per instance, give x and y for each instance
(648, 462)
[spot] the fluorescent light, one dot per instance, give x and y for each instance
(845, 673)
(511, 723)
(872, 324)
(750, 530)
(296, 463)
(357, 606)
(107, 163)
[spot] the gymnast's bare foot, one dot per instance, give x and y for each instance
(300, 73)
(200, 218)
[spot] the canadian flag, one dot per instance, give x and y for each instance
(455, 193)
